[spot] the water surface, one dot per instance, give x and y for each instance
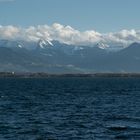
(70, 108)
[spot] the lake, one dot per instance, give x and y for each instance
(70, 108)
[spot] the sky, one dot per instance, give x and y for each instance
(98, 15)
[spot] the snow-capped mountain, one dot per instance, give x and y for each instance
(10, 44)
(56, 57)
(102, 45)
(44, 43)
(47, 44)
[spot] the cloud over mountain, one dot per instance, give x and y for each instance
(69, 35)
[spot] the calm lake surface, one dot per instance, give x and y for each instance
(70, 108)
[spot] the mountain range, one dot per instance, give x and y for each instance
(55, 57)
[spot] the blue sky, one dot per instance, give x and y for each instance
(100, 15)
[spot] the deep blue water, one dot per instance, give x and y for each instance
(70, 109)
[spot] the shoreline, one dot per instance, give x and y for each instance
(47, 75)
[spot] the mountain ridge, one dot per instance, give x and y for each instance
(56, 57)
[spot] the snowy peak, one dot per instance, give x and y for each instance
(102, 45)
(44, 43)
(19, 46)
(10, 44)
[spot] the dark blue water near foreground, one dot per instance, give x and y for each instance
(70, 109)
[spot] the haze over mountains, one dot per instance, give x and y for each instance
(62, 49)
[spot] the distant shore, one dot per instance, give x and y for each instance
(45, 75)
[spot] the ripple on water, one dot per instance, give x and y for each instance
(70, 109)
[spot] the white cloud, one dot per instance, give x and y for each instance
(69, 35)
(9, 32)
